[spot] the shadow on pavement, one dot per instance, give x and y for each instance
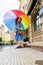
(39, 62)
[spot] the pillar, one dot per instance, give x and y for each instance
(42, 26)
(30, 31)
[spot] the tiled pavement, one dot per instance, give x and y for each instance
(21, 56)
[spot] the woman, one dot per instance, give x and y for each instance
(19, 33)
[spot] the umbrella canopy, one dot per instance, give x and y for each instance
(10, 16)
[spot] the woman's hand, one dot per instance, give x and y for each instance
(15, 26)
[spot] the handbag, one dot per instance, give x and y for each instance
(20, 32)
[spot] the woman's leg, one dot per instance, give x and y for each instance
(21, 43)
(15, 41)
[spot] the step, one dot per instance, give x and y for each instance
(37, 45)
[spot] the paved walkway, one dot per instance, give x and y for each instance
(22, 56)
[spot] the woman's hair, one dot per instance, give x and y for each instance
(17, 20)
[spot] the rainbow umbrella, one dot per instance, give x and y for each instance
(10, 16)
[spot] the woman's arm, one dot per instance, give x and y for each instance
(18, 28)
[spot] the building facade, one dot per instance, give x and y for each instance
(12, 34)
(36, 28)
(7, 37)
(35, 31)
(25, 5)
(2, 33)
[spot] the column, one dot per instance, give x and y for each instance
(30, 31)
(42, 26)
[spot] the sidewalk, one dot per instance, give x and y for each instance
(21, 56)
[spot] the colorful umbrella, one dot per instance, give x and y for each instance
(10, 16)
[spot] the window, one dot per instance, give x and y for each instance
(37, 23)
